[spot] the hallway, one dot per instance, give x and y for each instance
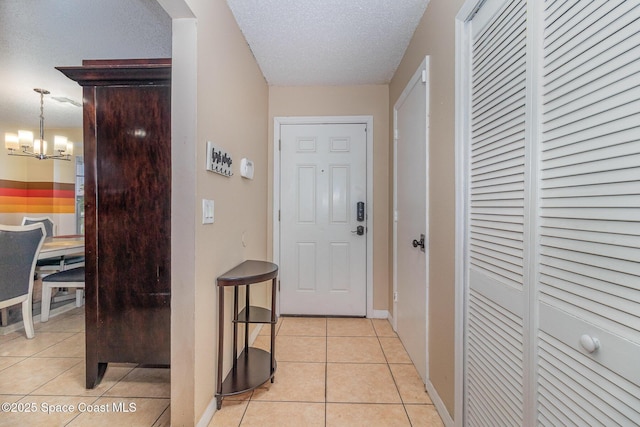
(334, 372)
(331, 372)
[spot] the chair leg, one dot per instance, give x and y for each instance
(46, 302)
(27, 318)
(79, 297)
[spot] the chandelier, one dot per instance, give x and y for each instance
(23, 144)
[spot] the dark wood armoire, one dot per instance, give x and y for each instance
(127, 157)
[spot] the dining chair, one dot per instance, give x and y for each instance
(71, 278)
(19, 247)
(49, 225)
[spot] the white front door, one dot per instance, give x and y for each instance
(322, 256)
(411, 222)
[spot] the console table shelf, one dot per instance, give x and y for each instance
(256, 315)
(254, 366)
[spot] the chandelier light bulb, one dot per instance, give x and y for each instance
(11, 141)
(60, 143)
(26, 138)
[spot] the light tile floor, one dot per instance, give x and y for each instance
(331, 372)
(48, 373)
(334, 372)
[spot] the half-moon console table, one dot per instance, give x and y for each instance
(254, 366)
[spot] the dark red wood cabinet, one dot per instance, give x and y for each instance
(127, 157)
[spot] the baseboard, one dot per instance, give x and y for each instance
(18, 326)
(255, 333)
(211, 409)
(208, 414)
(380, 314)
(439, 405)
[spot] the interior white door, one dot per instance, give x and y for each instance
(322, 256)
(497, 207)
(589, 228)
(411, 222)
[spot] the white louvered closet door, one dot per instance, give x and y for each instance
(494, 377)
(590, 215)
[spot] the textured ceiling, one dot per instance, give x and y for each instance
(38, 35)
(296, 42)
(328, 42)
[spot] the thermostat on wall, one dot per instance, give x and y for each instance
(246, 168)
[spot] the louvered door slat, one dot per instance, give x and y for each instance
(613, 152)
(576, 300)
(601, 34)
(605, 118)
(505, 238)
(568, 18)
(603, 133)
(587, 236)
(583, 180)
(592, 272)
(589, 18)
(599, 55)
(604, 99)
(511, 78)
(507, 144)
(494, 32)
(502, 98)
(575, 91)
(564, 148)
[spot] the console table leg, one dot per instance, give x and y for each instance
(220, 342)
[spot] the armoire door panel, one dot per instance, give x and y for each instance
(133, 215)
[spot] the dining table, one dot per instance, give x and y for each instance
(62, 246)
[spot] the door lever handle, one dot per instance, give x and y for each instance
(420, 243)
(359, 230)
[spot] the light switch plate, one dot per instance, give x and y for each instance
(207, 211)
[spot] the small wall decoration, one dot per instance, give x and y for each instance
(218, 160)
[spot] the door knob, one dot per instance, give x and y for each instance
(359, 230)
(590, 344)
(420, 243)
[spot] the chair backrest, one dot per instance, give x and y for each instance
(49, 226)
(19, 248)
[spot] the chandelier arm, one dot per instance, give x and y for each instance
(41, 121)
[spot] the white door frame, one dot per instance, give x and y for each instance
(462, 125)
(310, 120)
(421, 74)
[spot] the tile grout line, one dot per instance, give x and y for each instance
(404, 406)
(326, 369)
